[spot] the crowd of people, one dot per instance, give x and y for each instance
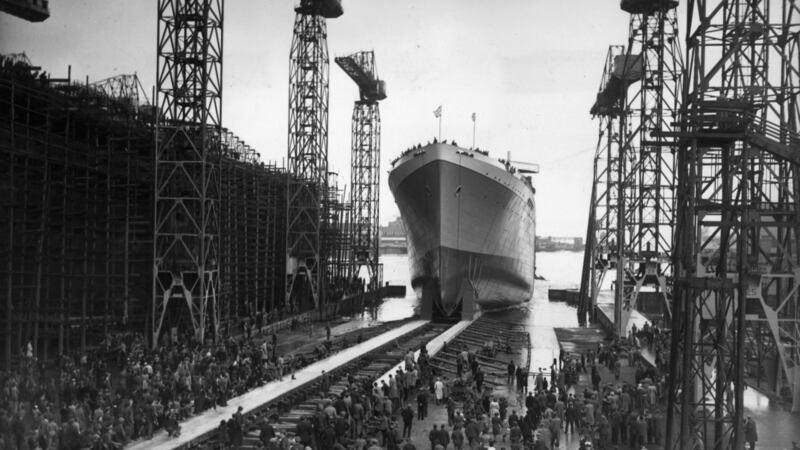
(370, 416)
(365, 414)
(125, 390)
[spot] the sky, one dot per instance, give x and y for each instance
(529, 69)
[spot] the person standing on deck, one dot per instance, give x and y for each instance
(512, 370)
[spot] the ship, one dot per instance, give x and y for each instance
(470, 224)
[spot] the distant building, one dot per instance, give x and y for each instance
(393, 238)
(558, 243)
(394, 229)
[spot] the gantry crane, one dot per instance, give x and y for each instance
(30, 10)
(737, 268)
(188, 150)
(307, 157)
(650, 201)
(632, 211)
(365, 159)
(604, 239)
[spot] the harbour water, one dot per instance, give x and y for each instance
(539, 316)
(777, 428)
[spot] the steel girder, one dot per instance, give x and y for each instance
(187, 190)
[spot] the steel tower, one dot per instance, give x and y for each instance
(188, 147)
(365, 162)
(650, 201)
(307, 169)
(606, 210)
(736, 258)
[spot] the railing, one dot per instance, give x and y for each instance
(771, 130)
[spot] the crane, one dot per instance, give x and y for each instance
(30, 10)
(307, 155)
(365, 159)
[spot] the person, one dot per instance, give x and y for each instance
(422, 404)
(305, 431)
(223, 434)
(497, 424)
(545, 435)
(538, 381)
(408, 417)
(450, 410)
(478, 375)
(457, 437)
(328, 331)
(408, 445)
(444, 436)
(472, 432)
(750, 433)
(267, 431)
(433, 436)
(438, 389)
(512, 370)
(555, 429)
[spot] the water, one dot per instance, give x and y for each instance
(562, 269)
(396, 272)
(776, 427)
(539, 316)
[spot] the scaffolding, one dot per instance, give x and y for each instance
(77, 197)
(250, 233)
(335, 240)
(735, 310)
(307, 156)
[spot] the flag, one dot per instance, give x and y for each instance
(438, 111)
(473, 117)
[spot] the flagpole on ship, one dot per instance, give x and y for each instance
(438, 114)
(473, 131)
(440, 126)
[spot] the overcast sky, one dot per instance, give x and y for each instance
(529, 69)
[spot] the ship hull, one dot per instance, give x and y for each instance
(470, 227)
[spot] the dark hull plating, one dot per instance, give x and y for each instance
(470, 226)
